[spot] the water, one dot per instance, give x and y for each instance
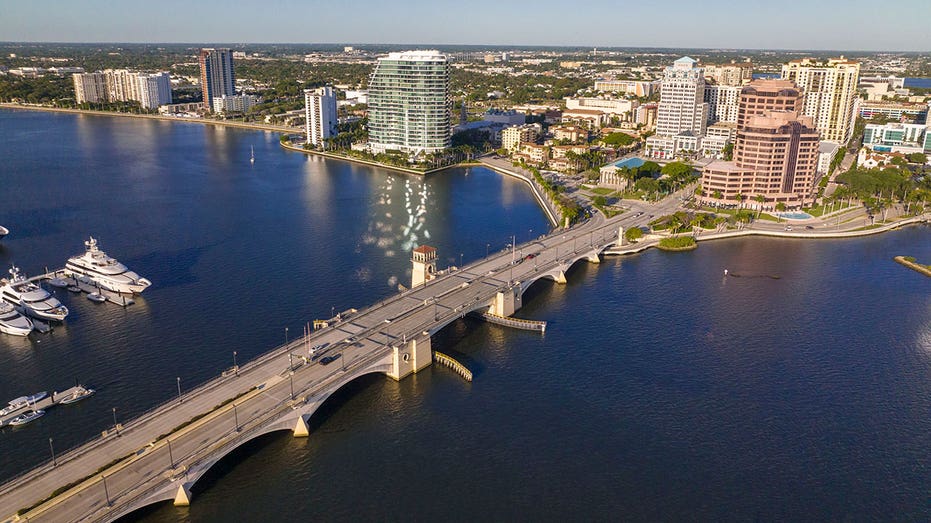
(797, 215)
(661, 390)
(922, 83)
(629, 162)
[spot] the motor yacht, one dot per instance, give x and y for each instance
(95, 268)
(31, 299)
(77, 396)
(22, 402)
(26, 417)
(12, 322)
(3, 231)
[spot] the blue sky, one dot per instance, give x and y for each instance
(783, 24)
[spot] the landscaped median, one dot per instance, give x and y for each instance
(677, 243)
(909, 261)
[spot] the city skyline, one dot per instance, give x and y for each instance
(829, 26)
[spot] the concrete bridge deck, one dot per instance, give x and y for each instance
(162, 453)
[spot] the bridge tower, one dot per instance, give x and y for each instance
(424, 260)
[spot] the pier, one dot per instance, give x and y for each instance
(53, 399)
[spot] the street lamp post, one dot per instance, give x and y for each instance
(285, 336)
(180, 400)
(291, 381)
(236, 417)
(54, 462)
(487, 246)
(116, 425)
(106, 491)
(235, 366)
(460, 261)
(171, 457)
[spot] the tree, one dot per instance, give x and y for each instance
(717, 195)
(740, 198)
(917, 158)
(728, 152)
(678, 173)
(759, 198)
(633, 234)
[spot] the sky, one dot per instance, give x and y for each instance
(904, 25)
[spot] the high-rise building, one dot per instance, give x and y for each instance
(122, 85)
(732, 74)
(722, 101)
(775, 155)
(683, 114)
(90, 87)
(320, 117)
(830, 94)
(154, 90)
(217, 77)
(409, 103)
(768, 95)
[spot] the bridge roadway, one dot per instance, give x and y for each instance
(156, 466)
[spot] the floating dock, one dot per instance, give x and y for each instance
(124, 300)
(51, 400)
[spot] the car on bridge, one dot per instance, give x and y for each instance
(326, 360)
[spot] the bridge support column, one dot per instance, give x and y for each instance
(183, 497)
(301, 430)
(412, 356)
(507, 302)
(560, 277)
(593, 257)
(620, 236)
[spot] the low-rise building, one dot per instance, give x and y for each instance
(571, 133)
(612, 106)
(534, 154)
(237, 103)
(588, 117)
(512, 138)
(184, 108)
(643, 89)
(897, 137)
(826, 153)
(897, 111)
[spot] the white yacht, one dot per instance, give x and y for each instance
(23, 402)
(27, 417)
(94, 267)
(31, 299)
(12, 322)
(3, 231)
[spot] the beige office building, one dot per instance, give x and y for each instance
(830, 94)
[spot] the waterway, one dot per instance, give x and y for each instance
(800, 389)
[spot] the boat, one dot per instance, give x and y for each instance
(12, 322)
(95, 268)
(58, 282)
(96, 297)
(26, 417)
(74, 289)
(77, 395)
(22, 402)
(3, 231)
(252, 158)
(31, 299)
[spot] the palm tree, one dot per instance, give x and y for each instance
(759, 199)
(740, 198)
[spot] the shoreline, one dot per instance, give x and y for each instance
(654, 242)
(917, 267)
(204, 121)
(369, 163)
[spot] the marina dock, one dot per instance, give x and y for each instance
(53, 399)
(124, 300)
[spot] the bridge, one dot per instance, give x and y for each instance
(160, 455)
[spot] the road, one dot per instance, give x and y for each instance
(263, 387)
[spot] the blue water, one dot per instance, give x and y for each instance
(629, 162)
(922, 83)
(798, 388)
(797, 215)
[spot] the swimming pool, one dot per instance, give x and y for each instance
(629, 162)
(798, 215)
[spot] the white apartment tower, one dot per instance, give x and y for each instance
(90, 87)
(682, 107)
(723, 101)
(830, 94)
(409, 103)
(320, 115)
(153, 90)
(682, 116)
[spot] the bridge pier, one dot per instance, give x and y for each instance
(183, 497)
(301, 430)
(507, 302)
(410, 357)
(593, 257)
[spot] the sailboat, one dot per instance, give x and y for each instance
(252, 158)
